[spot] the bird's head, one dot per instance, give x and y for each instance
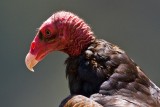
(63, 31)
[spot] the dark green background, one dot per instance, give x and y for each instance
(133, 25)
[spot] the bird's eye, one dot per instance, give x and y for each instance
(48, 33)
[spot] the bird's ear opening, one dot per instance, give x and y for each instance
(40, 35)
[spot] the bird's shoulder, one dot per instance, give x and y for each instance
(98, 55)
(96, 64)
(106, 69)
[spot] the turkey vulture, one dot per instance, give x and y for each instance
(100, 74)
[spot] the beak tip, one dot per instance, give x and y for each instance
(32, 70)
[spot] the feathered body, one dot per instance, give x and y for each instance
(99, 72)
(105, 69)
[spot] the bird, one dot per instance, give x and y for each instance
(100, 73)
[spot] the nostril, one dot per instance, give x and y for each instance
(33, 45)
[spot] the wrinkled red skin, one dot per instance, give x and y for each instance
(71, 33)
(40, 48)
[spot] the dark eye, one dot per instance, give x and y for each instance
(48, 33)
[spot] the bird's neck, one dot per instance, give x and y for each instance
(77, 32)
(78, 42)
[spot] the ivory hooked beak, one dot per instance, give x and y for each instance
(30, 61)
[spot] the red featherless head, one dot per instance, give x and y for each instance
(63, 31)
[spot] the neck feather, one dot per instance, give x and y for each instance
(77, 32)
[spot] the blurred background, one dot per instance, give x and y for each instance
(133, 25)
